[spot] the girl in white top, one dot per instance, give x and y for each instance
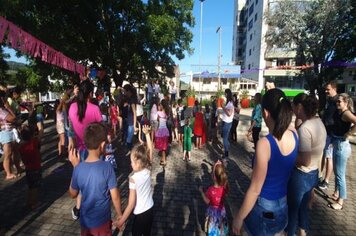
(140, 197)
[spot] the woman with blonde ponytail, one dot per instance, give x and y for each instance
(344, 126)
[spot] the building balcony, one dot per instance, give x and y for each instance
(280, 72)
(279, 53)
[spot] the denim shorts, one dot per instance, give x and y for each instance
(6, 136)
(328, 149)
(267, 217)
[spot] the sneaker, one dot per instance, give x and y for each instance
(323, 185)
(75, 213)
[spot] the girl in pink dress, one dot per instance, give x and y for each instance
(162, 134)
(114, 116)
(216, 221)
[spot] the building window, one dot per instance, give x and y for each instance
(249, 66)
(256, 2)
(249, 52)
(250, 10)
(239, 52)
(250, 24)
(255, 17)
(250, 37)
(350, 73)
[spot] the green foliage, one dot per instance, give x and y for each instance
(131, 38)
(220, 93)
(318, 31)
(190, 92)
(32, 81)
(244, 94)
(3, 67)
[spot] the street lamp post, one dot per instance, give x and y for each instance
(200, 44)
(219, 61)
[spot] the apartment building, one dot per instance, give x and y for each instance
(259, 61)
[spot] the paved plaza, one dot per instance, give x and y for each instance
(179, 209)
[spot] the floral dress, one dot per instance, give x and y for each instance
(216, 220)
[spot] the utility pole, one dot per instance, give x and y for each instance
(200, 44)
(219, 61)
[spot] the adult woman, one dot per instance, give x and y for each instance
(235, 121)
(312, 136)
(131, 122)
(264, 209)
(341, 130)
(256, 119)
(227, 117)
(81, 113)
(172, 91)
(6, 135)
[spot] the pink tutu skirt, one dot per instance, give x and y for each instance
(161, 139)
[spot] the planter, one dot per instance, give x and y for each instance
(245, 103)
(190, 101)
(220, 102)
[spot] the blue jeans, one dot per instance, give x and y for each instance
(341, 152)
(130, 134)
(300, 186)
(225, 133)
(267, 217)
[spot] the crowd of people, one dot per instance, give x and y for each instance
(287, 165)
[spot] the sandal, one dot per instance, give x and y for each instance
(11, 177)
(334, 197)
(335, 206)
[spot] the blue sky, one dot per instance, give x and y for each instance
(215, 13)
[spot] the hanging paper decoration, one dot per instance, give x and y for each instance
(27, 44)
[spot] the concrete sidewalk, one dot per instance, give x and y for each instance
(179, 209)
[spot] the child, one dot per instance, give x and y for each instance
(216, 221)
(140, 197)
(181, 122)
(60, 126)
(162, 134)
(114, 114)
(96, 181)
(30, 154)
(187, 139)
(198, 127)
(104, 113)
(109, 153)
(175, 122)
(144, 121)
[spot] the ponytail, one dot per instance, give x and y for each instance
(85, 88)
(280, 109)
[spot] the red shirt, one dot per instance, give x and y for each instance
(216, 196)
(30, 154)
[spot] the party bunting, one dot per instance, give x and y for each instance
(29, 45)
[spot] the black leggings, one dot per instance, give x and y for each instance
(142, 223)
(235, 123)
(256, 134)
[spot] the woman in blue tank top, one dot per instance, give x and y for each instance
(264, 210)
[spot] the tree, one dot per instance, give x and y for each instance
(315, 30)
(3, 66)
(130, 38)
